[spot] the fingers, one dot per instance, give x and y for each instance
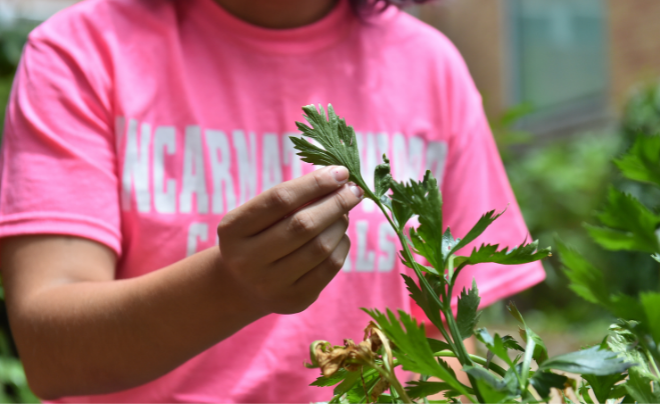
(314, 281)
(313, 253)
(272, 205)
(293, 232)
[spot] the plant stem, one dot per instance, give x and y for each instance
(457, 342)
(408, 255)
(478, 359)
(394, 382)
(649, 357)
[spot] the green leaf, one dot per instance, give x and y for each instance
(510, 343)
(544, 381)
(593, 361)
(402, 213)
(651, 303)
(498, 345)
(437, 345)
(642, 162)
(382, 177)
(625, 306)
(629, 225)
(421, 389)
(603, 386)
(424, 199)
(364, 384)
(350, 380)
(624, 342)
(413, 350)
(520, 255)
(337, 140)
(424, 249)
(486, 220)
(638, 387)
(586, 280)
(540, 351)
(467, 316)
(492, 389)
(337, 377)
(584, 392)
(423, 300)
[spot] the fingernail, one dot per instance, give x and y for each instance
(340, 173)
(357, 191)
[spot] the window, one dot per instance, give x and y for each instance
(558, 59)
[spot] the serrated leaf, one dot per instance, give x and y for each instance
(421, 389)
(510, 343)
(413, 350)
(382, 177)
(423, 249)
(624, 341)
(428, 305)
(544, 381)
(639, 388)
(603, 386)
(402, 213)
(520, 255)
(423, 197)
(642, 161)
(498, 345)
(337, 141)
(467, 316)
(628, 225)
(540, 351)
(492, 389)
(350, 379)
(482, 224)
(586, 280)
(437, 345)
(337, 377)
(364, 384)
(593, 361)
(651, 304)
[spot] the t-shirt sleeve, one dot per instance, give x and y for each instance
(474, 183)
(58, 162)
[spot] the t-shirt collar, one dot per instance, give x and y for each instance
(321, 34)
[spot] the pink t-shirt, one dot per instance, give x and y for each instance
(139, 123)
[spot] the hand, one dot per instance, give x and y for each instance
(288, 243)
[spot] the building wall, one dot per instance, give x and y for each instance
(635, 44)
(479, 30)
(476, 28)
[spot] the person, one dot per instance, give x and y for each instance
(161, 240)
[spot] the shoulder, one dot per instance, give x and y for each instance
(102, 19)
(400, 32)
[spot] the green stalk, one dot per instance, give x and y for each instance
(394, 382)
(477, 359)
(410, 258)
(457, 342)
(649, 357)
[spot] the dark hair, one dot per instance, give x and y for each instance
(362, 7)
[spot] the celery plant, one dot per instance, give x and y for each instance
(364, 372)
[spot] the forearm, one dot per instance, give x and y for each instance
(99, 337)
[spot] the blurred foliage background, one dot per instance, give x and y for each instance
(567, 85)
(13, 386)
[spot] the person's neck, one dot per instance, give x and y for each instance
(278, 14)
